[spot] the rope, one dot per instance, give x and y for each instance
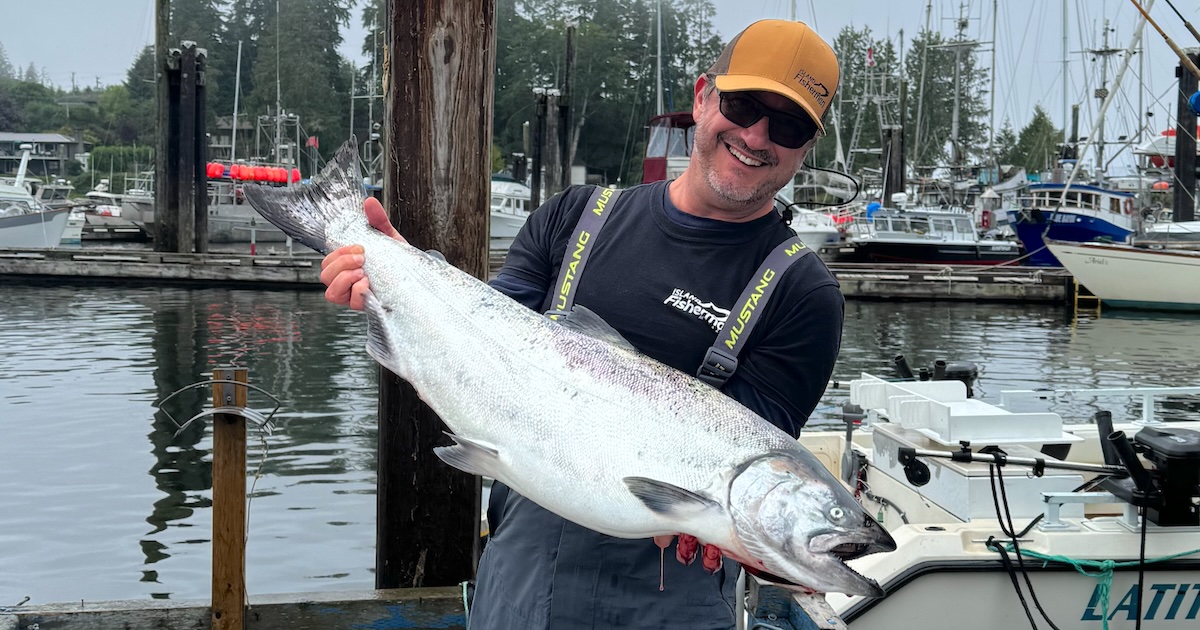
(1103, 568)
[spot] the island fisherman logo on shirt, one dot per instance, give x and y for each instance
(707, 312)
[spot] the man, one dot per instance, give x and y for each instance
(666, 272)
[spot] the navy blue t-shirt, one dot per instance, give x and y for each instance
(665, 280)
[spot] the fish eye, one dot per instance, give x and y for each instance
(837, 513)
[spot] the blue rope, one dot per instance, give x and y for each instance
(1104, 570)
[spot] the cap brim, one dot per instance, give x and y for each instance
(746, 83)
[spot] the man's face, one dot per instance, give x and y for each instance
(742, 165)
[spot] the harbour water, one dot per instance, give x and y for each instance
(101, 499)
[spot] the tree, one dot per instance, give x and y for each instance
(6, 68)
(10, 115)
(1037, 145)
(31, 74)
(867, 98)
(1006, 144)
(930, 68)
(301, 58)
(614, 80)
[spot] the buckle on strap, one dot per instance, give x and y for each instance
(717, 367)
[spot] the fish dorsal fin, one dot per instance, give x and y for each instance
(433, 253)
(379, 346)
(582, 319)
(472, 456)
(668, 499)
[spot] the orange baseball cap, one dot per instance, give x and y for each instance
(784, 57)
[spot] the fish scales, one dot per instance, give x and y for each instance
(572, 417)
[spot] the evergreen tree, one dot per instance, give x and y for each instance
(6, 68)
(867, 99)
(1037, 145)
(10, 115)
(930, 68)
(1006, 143)
(31, 74)
(300, 57)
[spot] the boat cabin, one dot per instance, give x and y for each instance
(668, 147)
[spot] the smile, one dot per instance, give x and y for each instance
(743, 158)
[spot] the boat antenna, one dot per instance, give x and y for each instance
(1108, 99)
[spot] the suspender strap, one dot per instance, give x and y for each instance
(720, 362)
(599, 206)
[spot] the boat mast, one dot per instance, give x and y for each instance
(1102, 93)
(237, 82)
(1065, 59)
(658, 89)
(921, 87)
(278, 99)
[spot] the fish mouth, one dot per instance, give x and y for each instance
(840, 547)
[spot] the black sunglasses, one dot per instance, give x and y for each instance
(786, 130)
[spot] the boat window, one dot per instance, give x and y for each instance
(944, 225)
(1114, 205)
(656, 144)
(497, 202)
(680, 145)
(918, 225)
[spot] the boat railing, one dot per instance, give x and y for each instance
(1147, 395)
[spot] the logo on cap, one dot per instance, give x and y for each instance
(818, 90)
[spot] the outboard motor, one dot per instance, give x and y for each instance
(939, 370)
(1171, 490)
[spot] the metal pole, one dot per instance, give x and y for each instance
(237, 82)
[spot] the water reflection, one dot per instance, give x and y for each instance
(94, 480)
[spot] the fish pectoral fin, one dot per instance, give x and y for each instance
(379, 345)
(471, 456)
(581, 319)
(667, 499)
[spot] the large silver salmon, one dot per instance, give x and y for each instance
(570, 415)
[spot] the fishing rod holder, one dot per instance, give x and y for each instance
(263, 422)
(918, 474)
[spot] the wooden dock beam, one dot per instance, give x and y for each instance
(416, 609)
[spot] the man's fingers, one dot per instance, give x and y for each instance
(339, 253)
(358, 294)
(378, 218)
(341, 290)
(711, 558)
(685, 549)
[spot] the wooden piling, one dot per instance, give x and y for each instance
(186, 218)
(163, 196)
(200, 156)
(1184, 202)
(438, 96)
(229, 503)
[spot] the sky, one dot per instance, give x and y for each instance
(92, 42)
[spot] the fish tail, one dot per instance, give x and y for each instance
(303, 212)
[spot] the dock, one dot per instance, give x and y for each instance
(417, 608)
(302, 271)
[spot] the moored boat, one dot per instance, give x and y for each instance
(1081, 213)
(1156, 278)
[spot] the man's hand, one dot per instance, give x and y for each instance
(688, 548)
(341, 270)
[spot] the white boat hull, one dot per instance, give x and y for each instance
(37, 230)
(1134, 277)
(943, 576)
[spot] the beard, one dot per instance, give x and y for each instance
(729, 188)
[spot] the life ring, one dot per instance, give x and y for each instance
(1128, 206)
